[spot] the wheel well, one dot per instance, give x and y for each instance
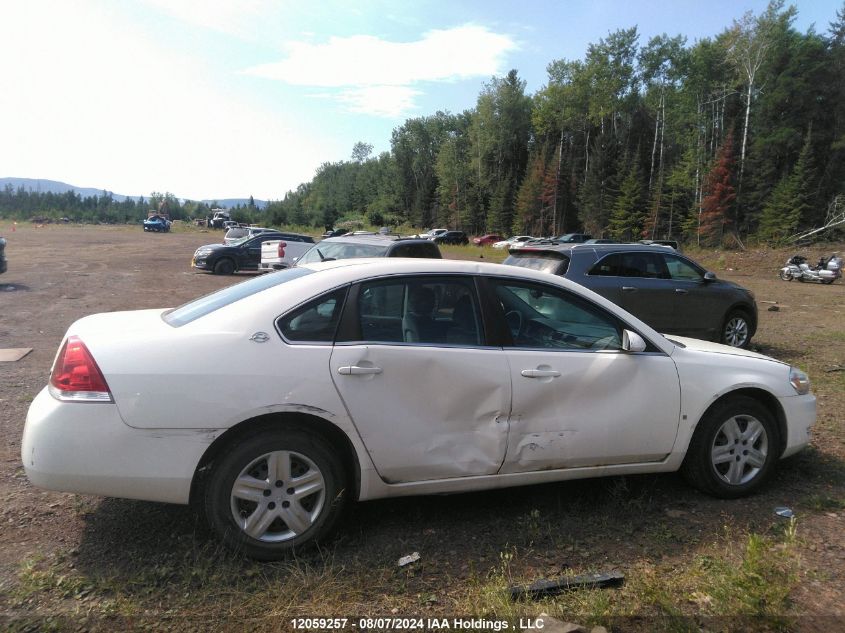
(764, 398)
(336, 438)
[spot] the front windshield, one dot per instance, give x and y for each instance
(328, 251)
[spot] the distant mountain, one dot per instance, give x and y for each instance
(54, 186)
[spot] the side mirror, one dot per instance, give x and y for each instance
(708, 276)
(632, 342)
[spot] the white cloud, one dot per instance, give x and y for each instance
(369, 66)
(97, 103)
(386, 101)
(227, 16)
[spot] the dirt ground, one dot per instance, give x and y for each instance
(60, 273)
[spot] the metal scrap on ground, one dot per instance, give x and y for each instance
(543, 588)
(12, 354)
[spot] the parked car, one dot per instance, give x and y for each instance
(669, 243)
(225, 259)
(433, 233)
(334, 233)
(670, 292)
(219, 219)
(237, 233)
(514, 242)
(601, 240)
(3, 263)
(451, 237)
(283, 253)
(157, 223)
(357, 246)
(317, 390)
(573, 238)
(487, 240)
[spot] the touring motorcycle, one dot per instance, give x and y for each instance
(826, 271)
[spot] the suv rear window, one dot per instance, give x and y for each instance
(416, 249)
(554, 263)
(209, 303)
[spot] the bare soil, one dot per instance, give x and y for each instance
(128, 559)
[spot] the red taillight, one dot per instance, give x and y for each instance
(282, 246)
(76, 375)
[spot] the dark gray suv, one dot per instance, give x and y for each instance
(667, 290)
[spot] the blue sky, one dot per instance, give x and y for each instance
(227, 98)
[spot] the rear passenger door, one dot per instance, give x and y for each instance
(429, 398)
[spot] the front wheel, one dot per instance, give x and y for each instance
(224, 267)
(736, 330)
(275, 491)
(786, 275)
(733, 449)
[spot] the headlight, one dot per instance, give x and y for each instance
(799, 381)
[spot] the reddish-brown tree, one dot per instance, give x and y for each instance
(719, 198)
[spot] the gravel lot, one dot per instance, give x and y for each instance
(68, 561)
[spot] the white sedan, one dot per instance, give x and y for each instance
(273, 402)
(517, 241)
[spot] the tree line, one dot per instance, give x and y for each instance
(741, 134)
(738, 135)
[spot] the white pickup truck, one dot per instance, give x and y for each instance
(278, 254)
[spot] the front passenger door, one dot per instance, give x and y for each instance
(578, 399)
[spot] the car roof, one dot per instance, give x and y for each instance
(600, 249)
(375, 238)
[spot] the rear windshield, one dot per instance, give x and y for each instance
(545, 262)
(209, 303)
(328, 251)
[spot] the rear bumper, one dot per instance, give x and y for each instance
(87, 448)
(800, 414)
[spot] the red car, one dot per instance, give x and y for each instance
(487, 240)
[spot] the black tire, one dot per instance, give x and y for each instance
(710, 437)
(309, 454)
(828, 281)
(736, 329)
(224, 266)
(786, 275)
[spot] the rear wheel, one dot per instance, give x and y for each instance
(736, 330)
(224, 267)
(274, 492)
(733, 449)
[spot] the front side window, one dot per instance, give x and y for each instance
(316, 321)
(423, 310)
(542, 317)
(682, 269)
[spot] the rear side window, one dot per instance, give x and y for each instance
(216, 300)
(316, 321)
(545, 262)
(420, 311)
(636, 264)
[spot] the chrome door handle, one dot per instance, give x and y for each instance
(628, 289)
(681, 291)
(355, 370)
(540, 373)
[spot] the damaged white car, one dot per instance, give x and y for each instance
(273, 402)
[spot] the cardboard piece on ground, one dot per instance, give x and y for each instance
(10, 355)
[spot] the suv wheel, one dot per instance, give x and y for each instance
(736, 330)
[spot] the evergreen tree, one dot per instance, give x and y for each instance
(626, 221)
(789, 206)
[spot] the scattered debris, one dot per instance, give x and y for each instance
(543, 588)
(774, 309)
(13, 354)
(761, 301)
(410, 558)
(784, 512)
(834, 368)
